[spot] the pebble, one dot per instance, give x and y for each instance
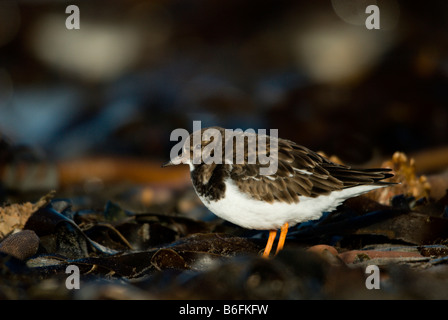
(354, 256)
(21, 245)
(320, 248)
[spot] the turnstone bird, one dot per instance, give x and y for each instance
(304, 186)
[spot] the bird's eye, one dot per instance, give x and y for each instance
(197, 147)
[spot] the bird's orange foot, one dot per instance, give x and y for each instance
(268, 248)
(281, 240)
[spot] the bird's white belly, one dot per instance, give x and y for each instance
(249, 213)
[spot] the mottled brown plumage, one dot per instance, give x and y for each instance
(301, 171)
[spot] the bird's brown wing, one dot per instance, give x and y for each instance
(300, 172)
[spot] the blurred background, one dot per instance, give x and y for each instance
(85, 107)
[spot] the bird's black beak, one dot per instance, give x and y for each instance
(174, 162)
(167, 164)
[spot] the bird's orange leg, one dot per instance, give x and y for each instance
(281, 240)
(268, 247)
